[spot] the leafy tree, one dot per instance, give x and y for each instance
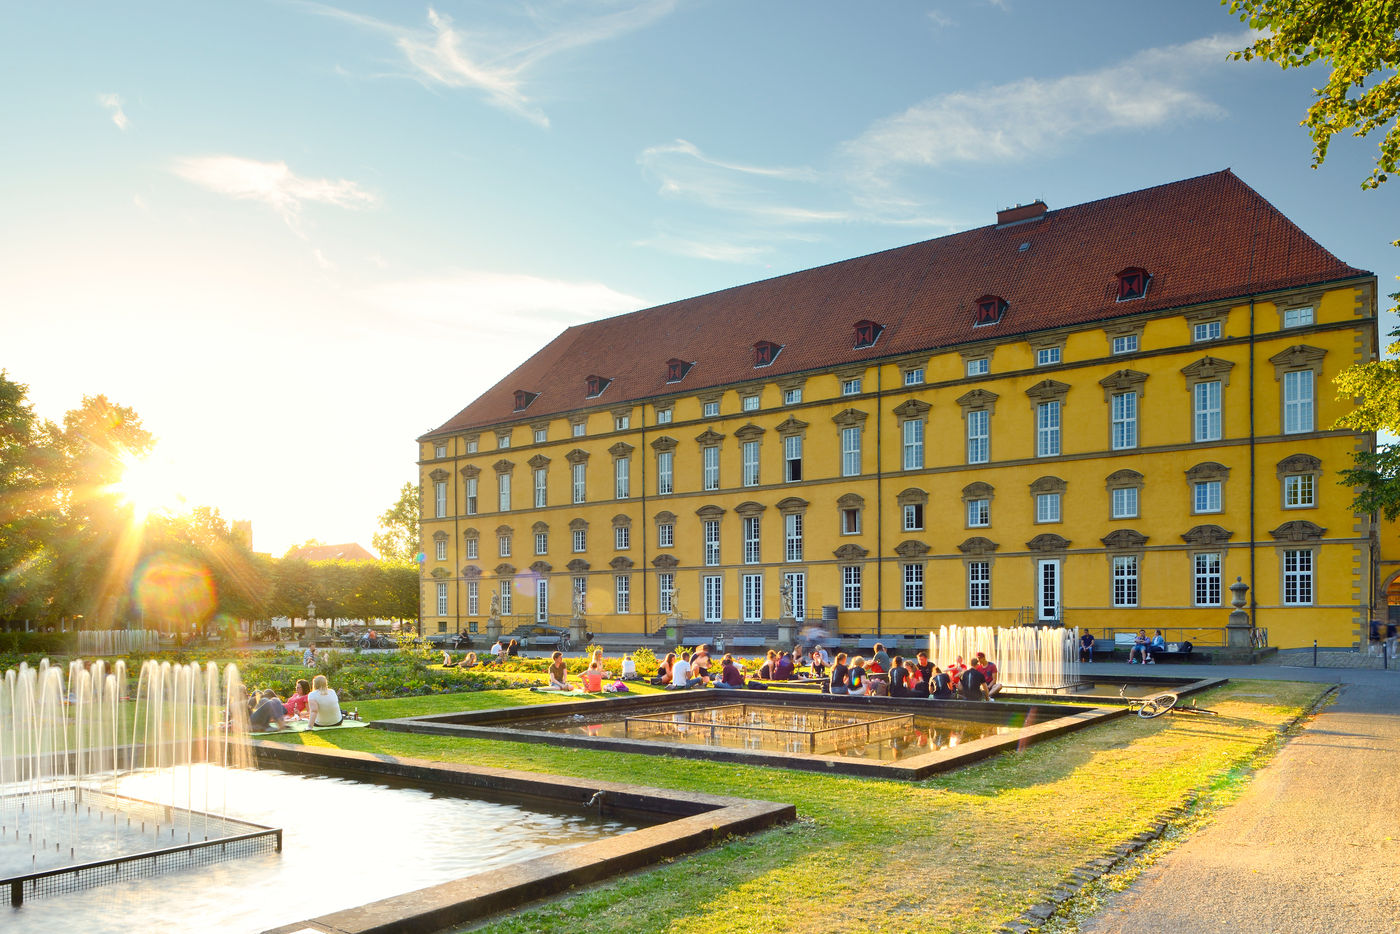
(397, 538)
(1360, 42)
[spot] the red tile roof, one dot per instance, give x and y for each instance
(347, 552)
(1194, 237)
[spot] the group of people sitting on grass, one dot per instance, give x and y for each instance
(314, 703)
(595, 678)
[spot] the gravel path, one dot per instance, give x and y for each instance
(1313, 845)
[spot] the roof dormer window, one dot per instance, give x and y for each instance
(765, 352)
(523, 398)
(676, 370)
(1132, 283)
(867, 333)
(595, 385)
(989, 310)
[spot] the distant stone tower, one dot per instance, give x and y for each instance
(243, 532)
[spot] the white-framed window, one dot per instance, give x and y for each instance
(913, 444)
(471, 445)
(797, 586)
(1047, 507)
(850, 520)
(1047, 429)
(979, 436)
(1206, 577)
(507, 593)
(1298, 577)
(792, 458)
(440, 551)
(622, 537)
(541, 435)
(666, 535)
(751, 540)
(750, 452)
(473, 549)
(753, 598)
(541, 488)
(1205, 406)
(1207, 331)
(581, 592)
(541, 543)
(541, 600)
(913, 517)
(580, 540)
(710, 410)
(1299, 491)
(578, 429)
(1298, 401)
(503, 544)
(622, 422)
(502, 441)
(442, 598)
(503, 491)
(439, 450)
(709, 461)
(979, 585)
(913, 586)
(850, 587)
(665, 466)
(473, 598)
(1127, 343)
(792, 396)
(850, 387)
(710, 533)
(914, 377)
(850, 451)
(750, 403)
(792, 536)
(1125, 580)
(714, 598)
(1047, 356)
(471, 495)
(622, 477)
(1205, 496)
(622, 584)
(665, 592)
(663, 416)
(1125, 420)
(978, 366)
(979, 513)
(439, 499)
(1124, 502)
(580, 478)
(1297, 317)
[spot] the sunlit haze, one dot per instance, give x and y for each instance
(294, 236)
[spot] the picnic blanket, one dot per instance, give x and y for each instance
(304, 726)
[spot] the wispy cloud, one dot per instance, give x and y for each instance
(497, 61)
(1009, 123)
(510, 304)
(712, 249)
(270, 183)
(113, 103)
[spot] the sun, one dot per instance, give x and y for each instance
(149, 485)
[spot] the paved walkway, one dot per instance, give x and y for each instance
(1313, 845)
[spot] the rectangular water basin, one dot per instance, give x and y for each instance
(886, 737)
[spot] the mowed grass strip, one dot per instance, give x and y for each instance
(964, 851)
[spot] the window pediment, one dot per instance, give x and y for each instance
(710, 511)
(1299, 530)
(1123, 478)
(502, 531)
(791, 425)
(539, 528)
(621, 449)
(912, 408)
(912, 496)
(578, 565)
(621, 563)
(1048, 543)
(1048, 390)
(665, 517)
(850, 418)
(541, 567)
(439, 475)
(749, 432)
(664, 443)
(912, 548)
(1122, 381)
(440, 573)
(708, 437)
(666, 562)
(576, 525)
(470, 471)
(1124, 540)
(503, 466)
(1207, 535)
(1208, 368)
(622, 520)
(577, 456)
(975, 399)
(439, 536)
(471, 572)
(791, 504)
(1299, 463)
(505, 570)
(538, 461)
(749, 508)
(978, 489)
(1049, 485)
(1298, 357)
(470, 534)
(1208, 470)
(978, 545)
(851, 552)
(850, 501)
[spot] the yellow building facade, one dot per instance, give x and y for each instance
(1109, 463)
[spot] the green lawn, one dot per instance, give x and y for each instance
(963, 851)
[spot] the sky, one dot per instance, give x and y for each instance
(294, 236)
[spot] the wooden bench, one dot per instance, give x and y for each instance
(746, 642)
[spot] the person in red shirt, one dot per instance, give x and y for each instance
(989, 671)
(296, 704)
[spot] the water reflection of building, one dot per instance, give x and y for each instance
(1099, 415)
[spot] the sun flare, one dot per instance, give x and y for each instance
(150, 485)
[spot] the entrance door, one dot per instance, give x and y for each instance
(1048, 575)
(541, 600)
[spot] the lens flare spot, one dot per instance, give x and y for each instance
(173, 593)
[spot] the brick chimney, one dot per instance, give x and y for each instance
(1022, 212)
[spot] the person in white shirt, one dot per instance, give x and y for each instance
(498, 650)
(322, 704)
(629, 668)
(680, 673)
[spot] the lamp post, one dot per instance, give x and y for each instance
(312, 632)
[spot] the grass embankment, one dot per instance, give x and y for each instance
(964, 851)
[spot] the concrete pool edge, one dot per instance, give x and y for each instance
(697, 820)
(488, 724)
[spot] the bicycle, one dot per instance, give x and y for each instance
(1150, 708)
